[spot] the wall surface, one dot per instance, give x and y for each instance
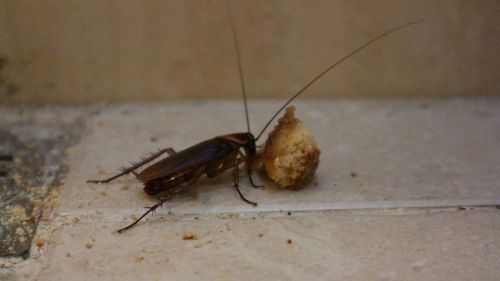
(67, 51)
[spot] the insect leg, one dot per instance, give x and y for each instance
(161, 202)
(236, 182)
(248, 163)
(135, 166)
(217, 168)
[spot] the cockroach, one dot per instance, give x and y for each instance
(216, 155)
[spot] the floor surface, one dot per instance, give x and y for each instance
(405, 190)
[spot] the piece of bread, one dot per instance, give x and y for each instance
(291, 155)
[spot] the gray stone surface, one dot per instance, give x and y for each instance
(32, 156)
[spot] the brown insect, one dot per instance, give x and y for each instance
(214, 156)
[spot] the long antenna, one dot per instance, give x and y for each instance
(334, 65)
(240, 69)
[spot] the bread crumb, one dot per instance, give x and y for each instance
(76, 220)
(68, 255)
(289, 241)
(89, 245)
(197, 245)
(424, 105)
(17, 178)
(139, 259)
(353, 174)
(291, 155)
(260, 235)
(125, 187)
(17, 161)
(64, 169)
(39, 242)
(189, 236)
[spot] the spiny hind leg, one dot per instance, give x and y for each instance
(137, 165)
(150, 210)
(171, 194)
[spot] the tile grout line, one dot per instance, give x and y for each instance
(273, 210)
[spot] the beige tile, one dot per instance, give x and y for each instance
(404, 155)
(416, 164)
(440, 246)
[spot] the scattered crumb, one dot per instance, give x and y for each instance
(19, 231)
(197, 245)
(64, 169)
(289, 241)
(153, 139)
(289, 213)
(17, 178)
(134, 217)
(197, 218)
(424, 105)
(68, 255)
(39, 242)
(76, 220)
(189, 236)
(139, 259)
(209, 241)
(353, 174)
(17, 161)
(260, 235)
(89, 245)
(125, 187)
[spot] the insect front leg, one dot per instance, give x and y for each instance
(218, 167)
(136, 166)
(236, 182)
(248, 163)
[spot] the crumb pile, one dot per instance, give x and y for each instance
(291, 155)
